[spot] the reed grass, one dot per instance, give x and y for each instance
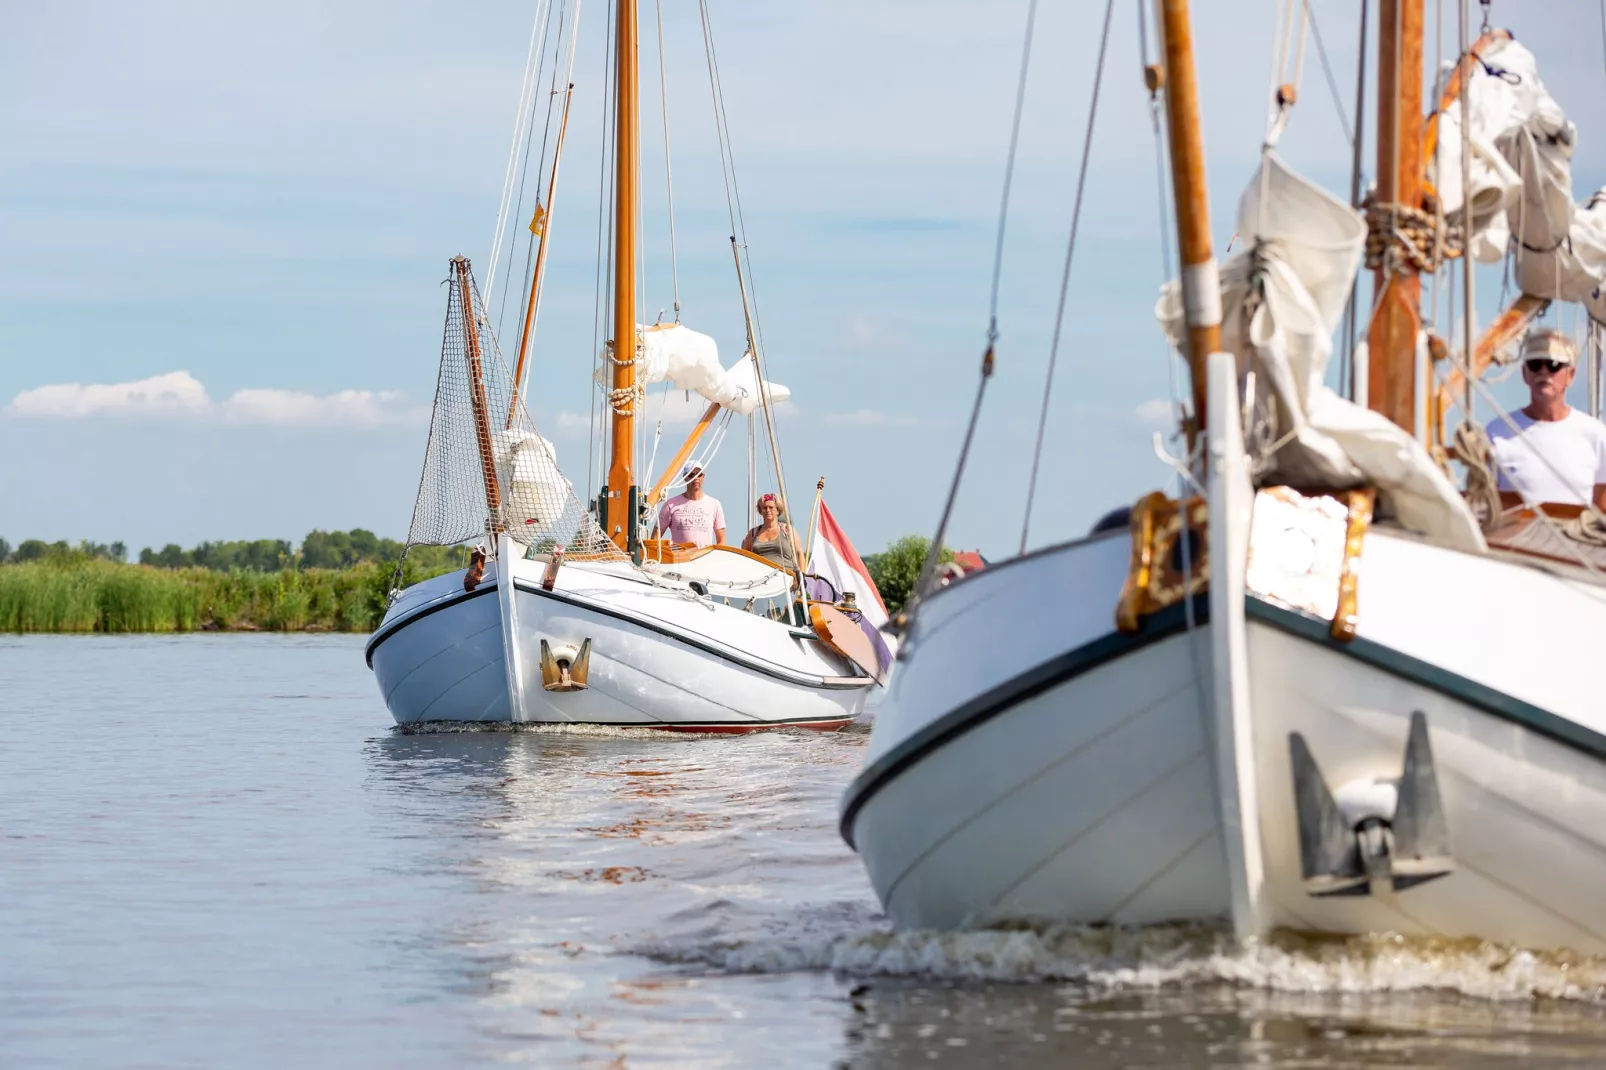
(104, 596)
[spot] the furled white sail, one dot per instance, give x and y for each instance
(535, 493)
(690, 360)
(1521, 180)
(1282, 297)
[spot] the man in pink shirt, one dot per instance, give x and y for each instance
(692, 517)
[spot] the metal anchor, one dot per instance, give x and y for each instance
(1344, 854)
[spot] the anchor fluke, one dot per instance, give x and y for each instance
(1329, 853)
(566, 668)
(1393, 831)
(1421, 833)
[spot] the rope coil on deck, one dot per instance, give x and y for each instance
(1471, 446)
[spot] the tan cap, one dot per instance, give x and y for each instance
(1547, 343)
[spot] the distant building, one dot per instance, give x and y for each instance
(964, 562)
(970, 560)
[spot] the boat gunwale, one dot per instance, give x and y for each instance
(1172, 621)
(823, 683)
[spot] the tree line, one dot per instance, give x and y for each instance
(894, 570)
(319, 550)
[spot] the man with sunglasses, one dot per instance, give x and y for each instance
(1549, 451)
(692, 517)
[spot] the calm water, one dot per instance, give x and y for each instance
(215, 851)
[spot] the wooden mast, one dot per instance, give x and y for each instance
(1201, 281)
(543, 218)
(617, 518)
(1391, 338)
(477, 400)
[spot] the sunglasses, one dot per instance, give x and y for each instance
(1541, 364)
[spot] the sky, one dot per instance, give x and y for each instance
(226, 228)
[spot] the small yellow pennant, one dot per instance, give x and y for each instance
(538, 221)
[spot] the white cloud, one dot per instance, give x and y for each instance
(869, 418)
(181, 394)
(1156, 413)
(572, 423)
(348, 408)
(161, 395)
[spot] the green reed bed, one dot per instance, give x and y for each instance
(104, 596)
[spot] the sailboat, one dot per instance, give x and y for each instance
(576, 612)
(1318, 689)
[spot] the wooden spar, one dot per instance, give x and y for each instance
(618, 523)
(1391, 338)
(814, 514)
(1505, 329)
(540, 262)
(476, 379)
(1201, 281)
(1452, 93)
(681, 454)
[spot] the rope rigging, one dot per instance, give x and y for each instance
(1327, 72)
(1065, 276)
(669, 173)
(532, 61)
(739, 248)
(934, 552)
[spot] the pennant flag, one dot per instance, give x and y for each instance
(538, 221)
(833, 557)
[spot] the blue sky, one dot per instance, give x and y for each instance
(266, 198)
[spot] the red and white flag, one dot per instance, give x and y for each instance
(831, 555)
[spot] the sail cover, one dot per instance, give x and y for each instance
(690, 361)
(1521, 146)
(1282, 298)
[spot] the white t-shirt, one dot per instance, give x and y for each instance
(1573, 452)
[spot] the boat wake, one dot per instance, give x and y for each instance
(1167, 957)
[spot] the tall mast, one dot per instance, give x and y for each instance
(476, 381)
(617, 503)
(1201, 281)
(1391, 338)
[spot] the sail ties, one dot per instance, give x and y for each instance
(1400, 236)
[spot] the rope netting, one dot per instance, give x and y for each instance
(486, 468)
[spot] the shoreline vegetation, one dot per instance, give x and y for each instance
(334, 582)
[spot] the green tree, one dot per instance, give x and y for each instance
(31, 550)
(896, 568)
(170, 556)
(5, 551)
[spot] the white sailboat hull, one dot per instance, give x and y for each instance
(658, 659)
(1030, 764)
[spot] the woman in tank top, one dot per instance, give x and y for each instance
(772, 539)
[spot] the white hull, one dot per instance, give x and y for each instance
(1028, 763)
(658, 658)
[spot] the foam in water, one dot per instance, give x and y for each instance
(1173, 956)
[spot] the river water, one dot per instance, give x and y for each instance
(216, 851)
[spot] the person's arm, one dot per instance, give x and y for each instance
(747, 540)
(661, 525)
(719, 524)
(1600, 497)
(797, 547)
